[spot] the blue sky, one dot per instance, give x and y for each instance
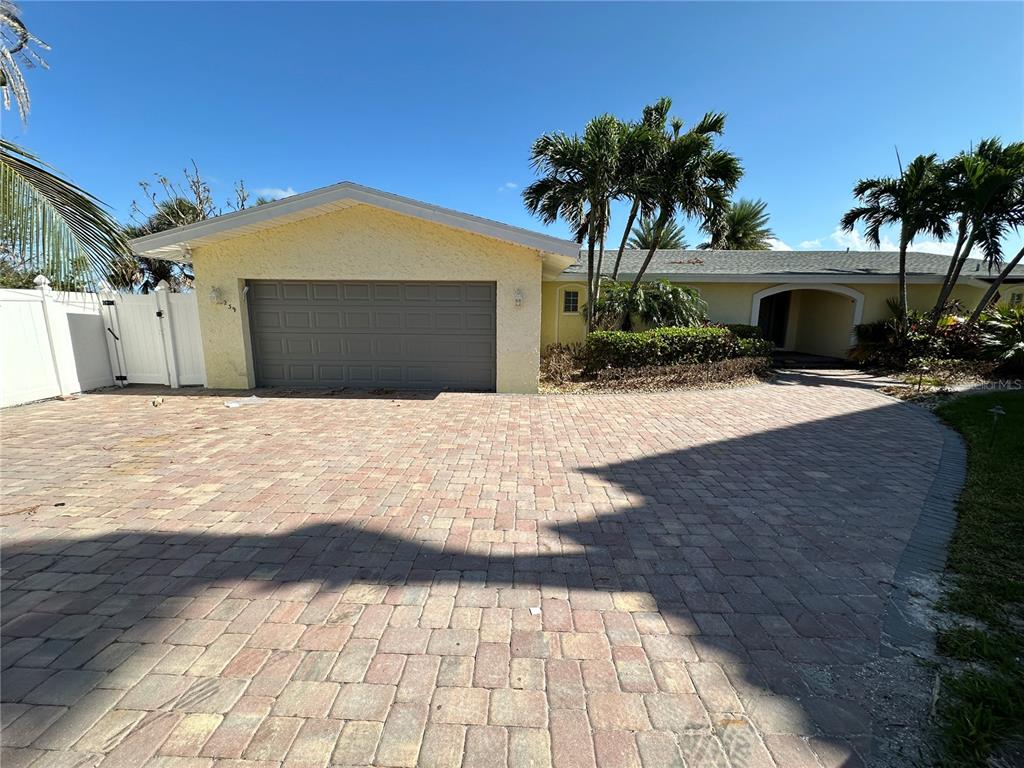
(442, 102)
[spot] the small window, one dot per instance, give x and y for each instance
(571, 301)
(1016, 299)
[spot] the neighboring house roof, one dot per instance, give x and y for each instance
(752, 266)
(173, 244)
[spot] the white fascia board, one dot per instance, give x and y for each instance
(164, 244)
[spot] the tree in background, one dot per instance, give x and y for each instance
(672, 236)
(578, 180)
(694, 178)
(47, 224)
(1011, 216)
(915, 201)
(169, 204)
(642, 145)
(983, 192)
(662, 174)
(744, 227)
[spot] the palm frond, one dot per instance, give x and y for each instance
(643, 235)
(50, 224)
(17, 51)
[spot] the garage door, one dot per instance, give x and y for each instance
(408, 335)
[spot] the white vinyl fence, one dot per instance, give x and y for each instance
(56, 343)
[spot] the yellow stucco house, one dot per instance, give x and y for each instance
(348, 286)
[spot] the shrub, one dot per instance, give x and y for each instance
(1003, 336)
(657, 304)
(653, 377)
(742, 331)
(755, 347)
(658, 346)
(879, 343)
(561, 362)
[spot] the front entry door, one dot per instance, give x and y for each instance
(773, 318)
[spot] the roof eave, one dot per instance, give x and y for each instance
(173, 244)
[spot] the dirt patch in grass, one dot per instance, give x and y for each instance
(981, 699)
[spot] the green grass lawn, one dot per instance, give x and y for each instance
(982, 706)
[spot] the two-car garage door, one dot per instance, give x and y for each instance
(361, 334)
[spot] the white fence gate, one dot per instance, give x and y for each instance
(56, 343)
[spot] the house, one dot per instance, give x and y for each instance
(348, 286)
(806, 301)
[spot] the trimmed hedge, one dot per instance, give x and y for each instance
(756, 347)
(743, 331)
(659, 346)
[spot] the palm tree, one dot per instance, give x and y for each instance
(694, 178)
(16, 51)
(916, 201)
(1011, 217)
(642, 144)
(51, 226)
(47, 224)
(744, 227)
(983, 186)
(577, 183)
(672, 236)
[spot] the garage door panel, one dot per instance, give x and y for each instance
(295, 291)
(262, 319)
(266, 290)
(416, 335)
(325, 291)
(387, 320)
(386, 292)
(483, 292)
(357, 347)
(478, 321)
(301, 373)
(358, 321)
(326, 321)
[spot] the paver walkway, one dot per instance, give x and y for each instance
(469, 579)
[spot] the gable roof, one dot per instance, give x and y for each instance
(173, 244)
(872, 266)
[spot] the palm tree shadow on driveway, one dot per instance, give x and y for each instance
(768, 557)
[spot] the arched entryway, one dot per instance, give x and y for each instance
(813, 318)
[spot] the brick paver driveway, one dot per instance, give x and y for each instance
(469, 579)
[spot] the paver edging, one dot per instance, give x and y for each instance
(928, 546)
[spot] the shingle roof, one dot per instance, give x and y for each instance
(756, 263)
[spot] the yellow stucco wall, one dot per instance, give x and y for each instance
(827, 315)
(556, 325)
(826, 326)
(366, 243)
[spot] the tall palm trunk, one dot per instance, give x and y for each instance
(602, 229)
(633, 211)
(659, 227)
(992, 289)
(953, 272)
(599, 269)
(904, 243)
(590, 274)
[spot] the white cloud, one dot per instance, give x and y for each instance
(855, 241)
(779, 245)
(508, 186)
(810, 244)
(275, 193)
(930, 246)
